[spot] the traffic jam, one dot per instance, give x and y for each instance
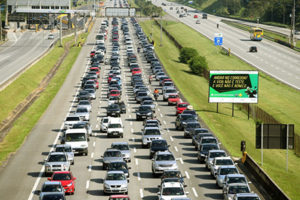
(142, 125)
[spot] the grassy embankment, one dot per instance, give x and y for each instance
(24, 85)
(231, 130)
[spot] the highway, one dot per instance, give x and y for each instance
(274, 59)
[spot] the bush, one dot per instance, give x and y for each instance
(186, 54)
(198, 65)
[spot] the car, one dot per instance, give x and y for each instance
(197, 138)
(181, 106)
(235, 188)
(149, 103)
(189, 127)
(122, 106)
(197, 131)
(86, 104)
(173, 99)
(195, 16)
(51, 187)
(83, 95)
(182, 119)
(92, 91)
(248, 196)
(114, 93)
(66, 149)
(119, 197)
(78, 139)
(50, 36)
(115, 127)
(144, 112)
(213, 154)
(115, 182)
(253, 49)
(234, 178)
(149, 134)
(163, 160)
(198, 21)
(53, 195)
(113, 110)
(223, 171)
(173, 174)
(124, 148)
(158, 145)
(171, 190)
(103, 124)
(119, 166)
(203, 151)
(84, 125)
(113, 99)
(219, 161)
(71, 120)
(56, 161)
(207, 140)
(66, 179)
(139, 96)
(191, 112)
(83, 113)
(111, 155)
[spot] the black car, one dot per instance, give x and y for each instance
(182, 119)
(113, 110)
(122, 106)
(196, 131)
(158, 145)
(170, 174)
(191, 112)
(84, 95)
(144, 112)
(189, 127)
(119, 166)
(203, 152)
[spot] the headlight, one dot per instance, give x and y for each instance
(47, 166)
(83, 145)
(203, 155)
(106, 185)
(70, 184)
(149, 113)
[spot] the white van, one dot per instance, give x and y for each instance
(77, 139)
(100, 38)
(115, 127)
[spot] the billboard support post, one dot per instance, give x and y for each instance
(262, 144)
(287, 147)
(248, 110)
(232, 110)
(217, 107)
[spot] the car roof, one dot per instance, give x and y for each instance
(215, 151)
(115, 172)
(111, 149)
(236, 175)
(52, 183)
(62, 145)
(238, 184)
(57, 153)
(221, 158)
(247, 195)
(116, 143)
(164, 153)
(227, 166)
(152, 127)
(171, 184)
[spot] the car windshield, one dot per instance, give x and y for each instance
(120, 146)
(63, 149)
(201, 131)
(173, 191)
(188, 117)
(75, 137)
(192, 112)
(114, 106)
(159, 143)
(217, 154)
(61, 177)
(152, 132)
(173, 96)
(73, 119)
(224, 162)
(57, 158)
(225, 171)
(168, 174)
(165, 157)
(236, 180)
(209, 140)
(105, 120)
(238, 189)
(115, 177)
(112, 154)
(183, 105)
(117, 166)
(168, 84)
(113, 98)
(81, 110)
(171, 91)
(53, 197)
(147, 103)
(51, 188)
(79, 125)
(144, 108)
(209, 147)
(114, 126)
(84, 103)
(248, 198)
(140, 94)
(193, 125)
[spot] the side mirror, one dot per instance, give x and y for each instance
(129, 167)
(158, 186)
(158, 193)
(184, 185)
(249, 182)
(187, 193)
(49, 179)
(74, 178)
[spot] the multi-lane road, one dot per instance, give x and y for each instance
(276, 60)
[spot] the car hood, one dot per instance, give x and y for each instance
(152, 136)
(64, 182)
(160, 148)
(172, 197)
(111, 159)
(165, 162)
(126, 152)
(79, 144)
(57, 163)
(116, 182)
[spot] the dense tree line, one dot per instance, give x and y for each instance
(148, 9)
(267, 10)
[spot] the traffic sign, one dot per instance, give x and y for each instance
(218, 39)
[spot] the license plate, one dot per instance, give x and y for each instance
(115, 133)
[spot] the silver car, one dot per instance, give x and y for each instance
(56, 161)
(235, 188)
(115, 182)
(111, 155)
(213, 154)
(86, 104)
(92, 93)
(83, 113)
(149, 103)
(66, 148)
(172, 190)
(234, 178)
(168, 92)
(149, 134)
(124, 148)
(83, 124)
(163, 160)
(248, 196)
(219, 161)
(50, 187)
(70, 120)
(104, 124)
(223, 171)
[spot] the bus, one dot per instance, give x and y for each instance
(256, 34)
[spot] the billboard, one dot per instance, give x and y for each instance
(119, 12)
(233, 87)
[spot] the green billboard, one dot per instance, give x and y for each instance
(233, 87)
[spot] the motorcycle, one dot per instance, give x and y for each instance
(156, 96)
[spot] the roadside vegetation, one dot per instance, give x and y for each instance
(28, 82)
(231, 130)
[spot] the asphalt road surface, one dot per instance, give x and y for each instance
(274, 59)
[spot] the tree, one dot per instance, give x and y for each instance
(186, 53)
(198, 65)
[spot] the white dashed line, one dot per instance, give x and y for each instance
(131, 130)
(90, 168)
(194, 191)
(87, 184)
(139, 177)
(134, 149)
(136, 162)
(176, 148)
(128, 109)
(161, 115)
(141, 193)
(171, 138)
(165, 122)
(130, 123)
(129, 116)
(133, 139)
(94, 144)
(168, 130)
(181, 161)
(158, 109)
(98, 119)
(187, 175)
(92, 155)
(97, 126)
(99, 113)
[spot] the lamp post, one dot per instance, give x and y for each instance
(161, 31)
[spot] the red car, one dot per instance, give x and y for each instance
(114, 93)
(110, 76)
(173, 99)
(136, 71)
(181, 107)
(195, 16)
(119, 197)
(97, 83)
(66, 179)
(92, 54)
(166, 80)
(95, 69)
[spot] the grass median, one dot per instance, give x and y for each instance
(231, 130)
(23, 125)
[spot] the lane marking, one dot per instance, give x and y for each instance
(129, 116)
(158, 109)
(133, 139)
(194, 191)
(92, 155)
(139, 177)
(136, 162)
(94, 144)
(141, 193)
(161, 115)
(181, 161)
(99, 112)
(130, 123)
(168, 130)
(97, 126)
(164, 122)
(171, 138)
(134, 149)
(131, 130)
(128, 109)
(98, 119)
(87, 184)
(187, 175)
(90, 168)
(176, 148)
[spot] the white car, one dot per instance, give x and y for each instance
(115, 127)
(104, 123)
(219, 161)
(171, 190)
(83, 113)
(213, 154)
(50, 36)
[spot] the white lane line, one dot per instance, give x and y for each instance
(92, 155)
(168, 130)
(133, 139)
(161, 115)
(131, 130)
(171, 138)
(134, 149)
(99, 113)
(129, 116)
(130, 123)
(164, 122)
(94, 144)
(90, 168)
(194, 191)
(139, 177)
(136, 162)
(187, 175)
(97, 126)
(128, 109)
(181, 161)
(87, 184)
(158, 109)
(98, 119)
(176, 148)
(141, 193)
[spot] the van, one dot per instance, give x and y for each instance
(115, 127)
(100, 38)
(77, 139)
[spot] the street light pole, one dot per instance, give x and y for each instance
(161, 31)
(75, 27)
(60, 32)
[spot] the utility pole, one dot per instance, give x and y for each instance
(75, 27)
(294, 21)
(0, 24)
(60, 32)
(6, 13)
(292, 15)
(161, 31)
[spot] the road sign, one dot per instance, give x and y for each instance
(218, 39)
